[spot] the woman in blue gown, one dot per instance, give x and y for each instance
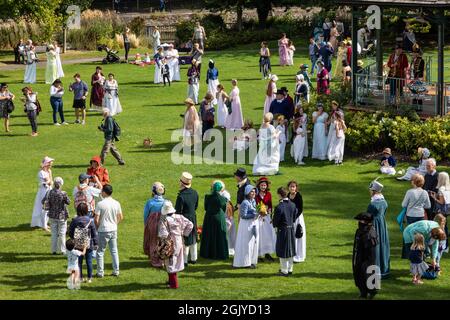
(377, 208)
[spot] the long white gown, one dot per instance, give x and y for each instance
(267, 236)
(298, 147)
(51, 72)
(331, 141)
(222, 111)
(158, 75)
(235, 120)
(212, 87)
(246, 250)
(319, 137)
(38, 219)
(269, 99)
(267, 160)
(282, 130)
(30, 69)
(59, 68)
(300, 244)
(111, 98)
(174, 65)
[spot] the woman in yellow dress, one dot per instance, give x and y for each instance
(341, 55)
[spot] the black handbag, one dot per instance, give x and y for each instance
(9, 106)
(299, 232)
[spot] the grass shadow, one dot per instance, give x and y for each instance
(18, 228)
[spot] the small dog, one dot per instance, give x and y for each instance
(148, 143)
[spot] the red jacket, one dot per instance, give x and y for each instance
(100, 172)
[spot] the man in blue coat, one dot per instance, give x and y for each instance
(280, 105)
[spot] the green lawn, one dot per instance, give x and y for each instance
(332, 196)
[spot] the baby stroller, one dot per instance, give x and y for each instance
(111, 56)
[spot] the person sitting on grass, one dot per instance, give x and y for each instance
(423, 154)
(388, 162)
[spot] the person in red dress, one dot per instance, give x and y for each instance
(398, 63)
(323, 79)
(267, 237)
(98, 92)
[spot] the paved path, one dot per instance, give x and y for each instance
(13, 67)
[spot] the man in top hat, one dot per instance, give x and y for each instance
(304, 71)
(290, 102)
(242, 180)
(326, 53)
(280, 105)
(398, 63)
(186, 205)
(364, 256)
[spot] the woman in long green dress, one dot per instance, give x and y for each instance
(377, 208)
(214, 244)
(51, 72)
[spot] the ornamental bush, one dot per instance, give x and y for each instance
(375, 131)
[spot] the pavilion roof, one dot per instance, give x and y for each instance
(399, 3)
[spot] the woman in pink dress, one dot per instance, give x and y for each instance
(270, 92)
(334, 34)
(283, 49)
(235, 120)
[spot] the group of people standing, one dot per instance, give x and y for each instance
(54, 68)
(425, 208)
(91, 231)
(263, 228)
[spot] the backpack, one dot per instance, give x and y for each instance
(82, 237)
(80, 197)
(116, 130)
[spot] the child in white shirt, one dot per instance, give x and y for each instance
(282, 128)
(73, 282)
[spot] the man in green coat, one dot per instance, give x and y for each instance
(186, 205)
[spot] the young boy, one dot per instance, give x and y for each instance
(165, 72)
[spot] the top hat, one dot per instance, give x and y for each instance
(241, 173)
(364, 216)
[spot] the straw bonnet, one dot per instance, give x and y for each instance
(387, 151)
(274, 77)
(47, 160)
(186, 179)
(189, 101)
(167, 208)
